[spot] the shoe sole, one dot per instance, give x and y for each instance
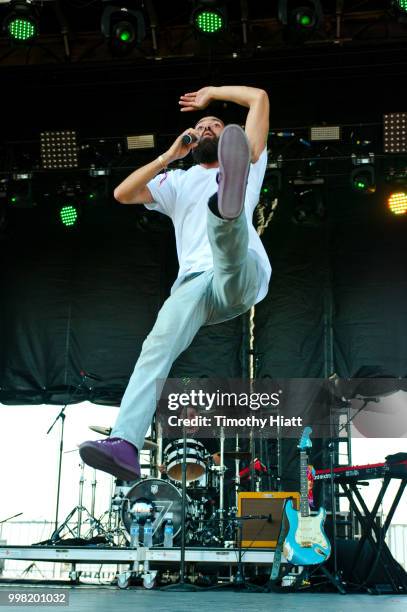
(98, 460)
(234, 164)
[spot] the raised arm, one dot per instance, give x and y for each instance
(256, 100)
(134, 190)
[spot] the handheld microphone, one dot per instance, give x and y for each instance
(188, 139)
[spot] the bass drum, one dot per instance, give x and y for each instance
(158, 500)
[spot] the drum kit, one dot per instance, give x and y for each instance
(208, 520)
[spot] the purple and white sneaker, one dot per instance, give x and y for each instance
(234, 164)
(114, 456)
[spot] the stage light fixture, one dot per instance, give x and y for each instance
(362, 177)
(300, 18)
(19, 190)
(325, 132)
(123, 26)
(273, 180)
(309, 204)
(59, 150)
(143, 141)
(21, 22)
(68, 215)
(402, 5)
(397, 202)
(209, 17)
(395, 132)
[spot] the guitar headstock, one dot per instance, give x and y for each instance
(305, 441)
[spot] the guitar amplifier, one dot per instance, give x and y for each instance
(263, 533)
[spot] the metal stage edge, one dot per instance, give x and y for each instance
(83, 554)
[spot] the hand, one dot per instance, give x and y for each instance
(196, 100)
(178, 149)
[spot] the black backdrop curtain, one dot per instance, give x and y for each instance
(85, 299)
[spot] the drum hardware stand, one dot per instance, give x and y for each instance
(117, 499)
(157, 455)
(221, 470)
(79, 509)
(93, 499)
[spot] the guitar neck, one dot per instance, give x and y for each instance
(304, 505)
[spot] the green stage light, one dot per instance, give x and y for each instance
(300, 19)
(21, 29)
(361, 185)
(208, 21)
(21, 21)
(68, 215)
(402, 4)
(362, 178)
(305, 20)
(124, 35)
(122, 26)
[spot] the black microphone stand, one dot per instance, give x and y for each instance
(61, 415)
(240, 581)
(182, 585)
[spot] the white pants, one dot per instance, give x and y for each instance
(213, 296)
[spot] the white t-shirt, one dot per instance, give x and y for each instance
(183, 195)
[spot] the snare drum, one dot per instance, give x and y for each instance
(195, 459)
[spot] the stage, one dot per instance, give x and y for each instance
(106, 599)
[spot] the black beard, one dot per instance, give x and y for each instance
(207, 151)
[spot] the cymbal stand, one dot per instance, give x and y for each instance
(80, 509)
(222, 479)
(221, 469)
(93, 498)
(157, 454)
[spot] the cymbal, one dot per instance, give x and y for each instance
(237, 454)
(106, 431)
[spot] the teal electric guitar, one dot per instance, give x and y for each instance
(306, 542)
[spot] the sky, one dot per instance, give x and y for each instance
(29, 461)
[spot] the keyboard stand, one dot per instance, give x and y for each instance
(376, 535)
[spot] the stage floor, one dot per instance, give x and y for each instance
(85, 598)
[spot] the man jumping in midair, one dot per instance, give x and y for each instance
(223, 267)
